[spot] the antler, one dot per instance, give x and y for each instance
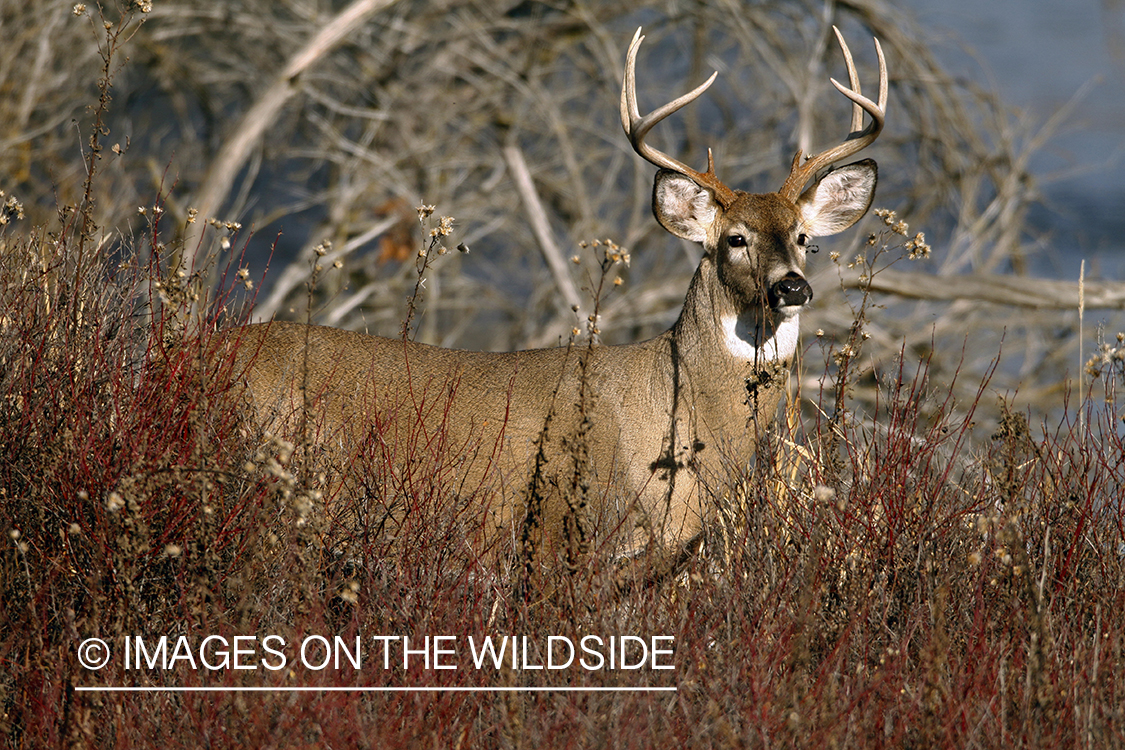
(857, 140)
(637, 127)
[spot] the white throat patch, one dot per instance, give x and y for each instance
(747, 341)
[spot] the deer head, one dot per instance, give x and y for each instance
(758, 241)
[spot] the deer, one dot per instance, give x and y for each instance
(658, 426)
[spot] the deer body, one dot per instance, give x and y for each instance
(669, 417)
(658, 426)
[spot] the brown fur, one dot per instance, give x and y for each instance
(637, 441)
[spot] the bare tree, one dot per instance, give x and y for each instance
(331, 120)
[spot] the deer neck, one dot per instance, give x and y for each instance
(757, 338)
(714, 327)
(728, 367)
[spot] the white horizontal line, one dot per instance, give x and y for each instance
(334, 689)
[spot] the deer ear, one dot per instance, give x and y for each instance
(683, 207)
(839, 199)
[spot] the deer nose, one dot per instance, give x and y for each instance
(792, 290)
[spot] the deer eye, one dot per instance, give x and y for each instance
(736, 240)
(803, 241)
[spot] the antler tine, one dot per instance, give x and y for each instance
(853, 80)
(860, 103)
(637, 127)
(859, 138)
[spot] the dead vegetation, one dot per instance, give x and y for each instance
(446, 100)
(918, 564)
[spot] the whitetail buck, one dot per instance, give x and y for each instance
(667, 421)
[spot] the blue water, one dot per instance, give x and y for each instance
(1038, 54)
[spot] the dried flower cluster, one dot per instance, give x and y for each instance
(916, 246)
(1108, 358)
(10, 209)
(244, 276)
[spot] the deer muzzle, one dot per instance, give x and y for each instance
(791, 291)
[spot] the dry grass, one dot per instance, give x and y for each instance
(889, 579)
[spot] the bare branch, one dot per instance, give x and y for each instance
(1018, 291)
(537, 216)
(246, 134)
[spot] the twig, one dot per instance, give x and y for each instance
(246, 134)
(1019, 291)
(297, 272)
(536, 214)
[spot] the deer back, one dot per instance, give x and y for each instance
(641, 438)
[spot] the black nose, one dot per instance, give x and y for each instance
(791, 290)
